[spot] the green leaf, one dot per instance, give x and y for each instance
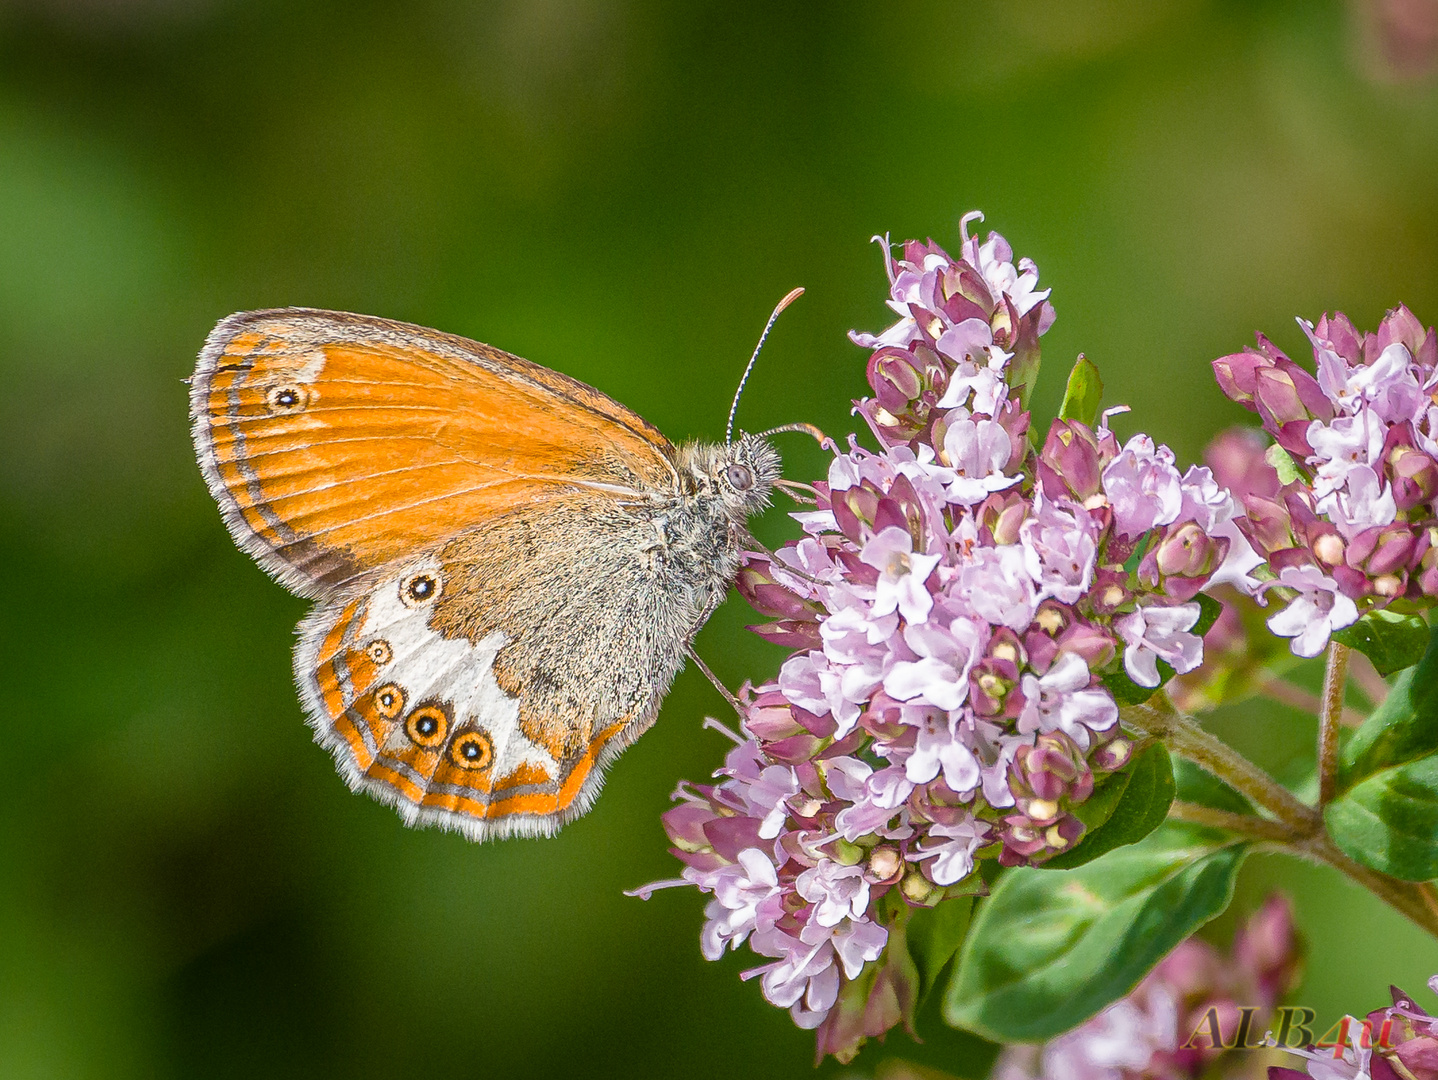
(1403, 728)
(1143, 804)
(935, 936)
(1209, 610)
(1103, 800)
(1125, 691)
(1083, 393)
(1050, 948)
(1389, 822)
(1140, 549)
(1282, 463)
(1392, 641)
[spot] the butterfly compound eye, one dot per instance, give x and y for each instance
(739, 477)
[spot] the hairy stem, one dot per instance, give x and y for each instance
(1158, 718)
(1298, 829)
(1335, 682)
(1243, 824)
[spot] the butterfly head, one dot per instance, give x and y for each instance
(740, 474)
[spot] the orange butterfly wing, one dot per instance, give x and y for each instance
(351, 455)
(336, 444)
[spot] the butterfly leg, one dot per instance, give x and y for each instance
(724, 690)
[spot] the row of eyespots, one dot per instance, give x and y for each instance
(428, 726)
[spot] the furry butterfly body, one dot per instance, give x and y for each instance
(509, 566)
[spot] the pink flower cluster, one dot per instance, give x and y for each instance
(953, 607)
(1164, 1029)
(1354, 527)
(1396, 1043)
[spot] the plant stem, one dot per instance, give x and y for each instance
(1404, 896)
(1298, 829)
(1159, 718)
(1335, 682)
(1243, 824)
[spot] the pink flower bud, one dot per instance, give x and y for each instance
(854, 510)
(1329, 548)
(1112, 755)
(1110, 590)
(758, 585)
(1399, 326)
(1419, 1055)
(962, 281)
(1267, 526)
(1428, 571)
(1097, 647)
(795, 749)
(1186, 550)
(1182, 561)
(1048, 773)
(894, 376)
(1381, 551)
(1338, 331)
(1072, 462)
(1054, 618)
(790, 633)
(731, 835)
(1277, 398)
(1237, 375)
(684, 823)
(770, 716)
(886, 864)
(1001, 515)
(1414, 475)
(903, 508)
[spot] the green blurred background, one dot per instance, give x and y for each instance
(620, 191)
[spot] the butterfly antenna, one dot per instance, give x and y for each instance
(729, 427)
(807, 429)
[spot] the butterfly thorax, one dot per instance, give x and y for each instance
(700, 533)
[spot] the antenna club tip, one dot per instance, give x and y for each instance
(789, 298)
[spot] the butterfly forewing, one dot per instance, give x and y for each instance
(337, 444)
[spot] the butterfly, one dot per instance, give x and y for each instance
(509, 566)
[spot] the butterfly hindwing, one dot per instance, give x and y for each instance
(486, 692)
